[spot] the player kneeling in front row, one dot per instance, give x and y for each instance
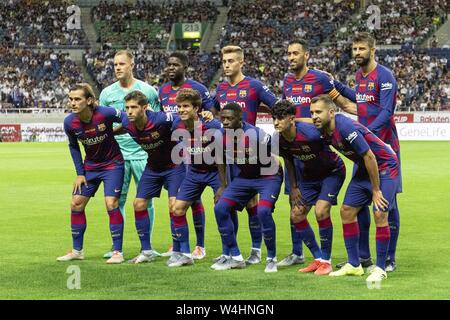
(316, 175)
(248, 149)
(374, 180)
(93, 126)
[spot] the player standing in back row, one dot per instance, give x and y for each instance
(299, 87)
(177, 65)
(375, 96)
(248, 93)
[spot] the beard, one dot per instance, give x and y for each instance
(364, 62)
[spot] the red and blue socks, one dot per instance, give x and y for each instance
(297, 247)
(308, 238)
(267, 228)
(142, 221)
(181, 233)
(382, 244)
(198, 215)
(326, 237)
(394, 225)
(78, 225)
(364, 228)
(255, 227)
(351, 239)
(222, 211)
(116, 228)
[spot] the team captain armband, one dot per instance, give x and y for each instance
(334, 94)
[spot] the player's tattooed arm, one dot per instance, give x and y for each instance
(379, 202)
(346, 105)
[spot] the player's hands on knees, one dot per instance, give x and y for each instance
(295, 197)
(379, 202)
(218, 194)
(77, 184)
(207, 115)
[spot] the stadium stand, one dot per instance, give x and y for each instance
(265, 24)
(36, 79)
(401, 21)
(146, 23)
(28, 23)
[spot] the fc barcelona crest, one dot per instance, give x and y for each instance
(155, 135)
(370, 85)
(101, 127)
(306, 148)
(242, 93)
(308, 88)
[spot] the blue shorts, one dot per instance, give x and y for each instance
(326, 189)
(112, 182)
(241, 190)
(359, 192)
(152, 182)
(195, 183)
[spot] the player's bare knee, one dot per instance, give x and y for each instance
(77, 204)
(322, 213)
(179, 210)
(381, 218)
(111, 203)
(348, 214)
(298, 215)
(140, 204)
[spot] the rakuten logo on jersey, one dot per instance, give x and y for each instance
(299, 100)
(363, 97)
(170, 109)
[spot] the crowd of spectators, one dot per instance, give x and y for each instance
(400, 21)
(149, 23)
(149, 66)
(272, 24)
(36, 79)
(37, 23)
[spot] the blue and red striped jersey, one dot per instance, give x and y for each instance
(301, 91)
(198, 144)
(249, 150)
(97, 137)
(154, 138)
(249, 93)
(353, 140)
(317, 159)
(167, 95)
(376, 96)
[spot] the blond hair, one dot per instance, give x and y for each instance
(126, 53)
(233, 49)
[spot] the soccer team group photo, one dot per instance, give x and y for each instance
(224, 149)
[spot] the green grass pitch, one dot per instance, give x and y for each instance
(35, 186)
